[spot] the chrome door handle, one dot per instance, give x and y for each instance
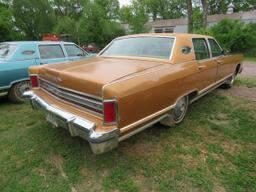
(201, 67)
(219, 62)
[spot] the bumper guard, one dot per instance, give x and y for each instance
(100, 142)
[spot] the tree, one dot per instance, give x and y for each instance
(110, 8)
(70, 8)
(135, 15)
(96, 27)
(67, 25)
(230, 32)
(205, 12)
(33, 19)
(125, 14)
(190, 16)
(197, 19)
(221, 6)
(163, 9)
(8, 31)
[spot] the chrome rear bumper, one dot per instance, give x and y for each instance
(100, 142)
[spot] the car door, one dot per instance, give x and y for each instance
(51, 53)
(15, 68)
(74, 52)
(207, 68)
(222, 61)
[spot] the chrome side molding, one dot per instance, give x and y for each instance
(3, 94)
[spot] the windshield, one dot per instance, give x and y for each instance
(6, 50)
(153, 47)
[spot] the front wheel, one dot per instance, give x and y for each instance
(178, 113)
(229, 83)
(17, 90)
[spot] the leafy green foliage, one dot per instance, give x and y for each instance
(197, 19)
(138, 13)
(164, 9)
(7, 30)
(135, 15)
(220, 7)
(95, 27)
(234, 35)
(100, 21)
(33, 19)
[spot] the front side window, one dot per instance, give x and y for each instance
(73, 50)
(51, 51)
(215, 48)
(152, 47)
(200, 48)
(6, 50)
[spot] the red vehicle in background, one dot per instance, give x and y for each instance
(56, 37)
(91, 48)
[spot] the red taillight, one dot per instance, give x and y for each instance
(34, 81)
(110, 112)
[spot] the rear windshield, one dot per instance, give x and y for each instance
(153, 47)
(6, 50)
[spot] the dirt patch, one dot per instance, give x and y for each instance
(91, 182)
(219, 119)
(249, 69)
(241, 91)
(57, 162)
(145, 148)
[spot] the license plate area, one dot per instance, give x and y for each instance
(51, 118)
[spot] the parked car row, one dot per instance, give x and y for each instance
(17, 57)
(132, 83)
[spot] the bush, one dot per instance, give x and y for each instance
(234, 35)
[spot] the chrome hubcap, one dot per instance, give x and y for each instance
(232, 80)
(180, 109)
(23, 86)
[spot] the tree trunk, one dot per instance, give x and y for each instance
(190, 16)
(205, 12)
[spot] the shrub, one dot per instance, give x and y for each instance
(234, 35)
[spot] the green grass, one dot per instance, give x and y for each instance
(214, 149)
(248, 82)
(250, 58)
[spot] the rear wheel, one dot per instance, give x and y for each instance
(17, 90)
(178, 113)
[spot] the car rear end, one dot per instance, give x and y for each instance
(89, 117)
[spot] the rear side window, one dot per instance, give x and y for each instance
(6, 50)
(200, 48)
(51, 51)
(73, 50)
(215, 48)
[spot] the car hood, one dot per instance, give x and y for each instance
(89, 76)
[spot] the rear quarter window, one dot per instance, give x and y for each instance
(6, 50)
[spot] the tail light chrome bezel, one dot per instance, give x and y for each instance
(115, 108)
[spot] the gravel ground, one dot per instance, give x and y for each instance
(249, 70)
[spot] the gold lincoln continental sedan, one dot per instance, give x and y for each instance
(134, 82)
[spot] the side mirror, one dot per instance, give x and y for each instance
(224, 52)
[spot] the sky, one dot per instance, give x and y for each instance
(124, 2)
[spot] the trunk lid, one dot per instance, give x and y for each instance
(89, 76)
